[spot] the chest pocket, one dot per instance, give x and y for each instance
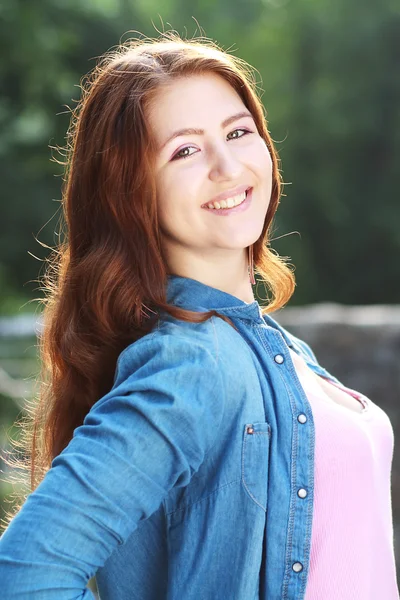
(255, 460)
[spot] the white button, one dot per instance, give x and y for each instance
(302, 418)
(297, 566)
(302, 493)
(279, 359)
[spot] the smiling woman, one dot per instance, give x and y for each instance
(171, 448)
(228, 157)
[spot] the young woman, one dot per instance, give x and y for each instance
(187, 446)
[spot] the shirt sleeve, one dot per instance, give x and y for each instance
(150, 433)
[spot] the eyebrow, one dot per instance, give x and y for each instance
(193, 131)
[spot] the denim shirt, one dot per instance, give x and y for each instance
(182, 481)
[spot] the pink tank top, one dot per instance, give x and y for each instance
(352, 552)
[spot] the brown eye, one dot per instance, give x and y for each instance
(245, 131)
(179, 155)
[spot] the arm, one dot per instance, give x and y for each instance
(151, 432)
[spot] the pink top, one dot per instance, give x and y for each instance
(352, 552)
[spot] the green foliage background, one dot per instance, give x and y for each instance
(329, 72)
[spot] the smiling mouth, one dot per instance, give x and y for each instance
(244, 202)
(228, 203)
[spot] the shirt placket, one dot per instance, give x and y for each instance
(298, 535)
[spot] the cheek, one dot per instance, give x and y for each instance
(261, 159)
(167, 193)
(173, 201)
(179, 191)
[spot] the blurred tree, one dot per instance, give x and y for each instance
(46, 48)
(331, 89)
(344, 143)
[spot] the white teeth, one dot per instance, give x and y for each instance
(229, 202)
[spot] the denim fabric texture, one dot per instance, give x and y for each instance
(181, 484)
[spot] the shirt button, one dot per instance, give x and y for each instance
(279, 359)
(302, 418)
(302, 493)
(297, 567)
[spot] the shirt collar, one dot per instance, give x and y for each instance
(195, 295)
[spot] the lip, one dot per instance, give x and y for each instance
(228, 194)
(225, 212)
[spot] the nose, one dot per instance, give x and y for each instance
(224, 165)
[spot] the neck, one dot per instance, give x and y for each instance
(226, 271)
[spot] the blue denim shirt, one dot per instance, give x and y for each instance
(182, 482)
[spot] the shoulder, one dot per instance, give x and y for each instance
(173, 345)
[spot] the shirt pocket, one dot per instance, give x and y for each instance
(255, 460)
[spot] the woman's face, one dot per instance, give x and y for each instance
(220, 153)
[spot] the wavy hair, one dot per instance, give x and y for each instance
(105, 283)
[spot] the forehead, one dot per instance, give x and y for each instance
(192, 101)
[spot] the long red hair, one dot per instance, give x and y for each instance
(106, 281)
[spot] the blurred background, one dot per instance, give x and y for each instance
(329, 79)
